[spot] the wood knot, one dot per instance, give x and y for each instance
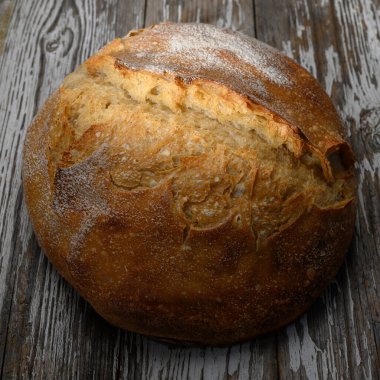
(370, 129)
(61, 40)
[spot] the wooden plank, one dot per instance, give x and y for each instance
(49, 331)
(46, 330)
(153, 360)
(233, 14)
(338, 41)
(156, 360)
(6, 9)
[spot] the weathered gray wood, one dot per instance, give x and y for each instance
(233, 14)
(6, 9)
(338, 41)
(254, 360)
(47, 331)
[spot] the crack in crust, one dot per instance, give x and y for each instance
(206, 141)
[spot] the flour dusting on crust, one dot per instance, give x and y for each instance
(245, 65)
(205, 45)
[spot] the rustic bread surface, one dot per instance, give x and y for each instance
(192, 184)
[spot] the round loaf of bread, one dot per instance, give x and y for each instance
(192, 183)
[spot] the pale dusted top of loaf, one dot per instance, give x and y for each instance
(246, 65)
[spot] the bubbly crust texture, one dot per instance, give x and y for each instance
(192, 183)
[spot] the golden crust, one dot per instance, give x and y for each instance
(198, 234)
(264, 76)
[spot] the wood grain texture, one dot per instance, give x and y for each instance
(48, 332)
(338, 42)
(6, 9)
(45, 330)
(233, 14)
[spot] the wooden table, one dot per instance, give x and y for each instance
(48, 332)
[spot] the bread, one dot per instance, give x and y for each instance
(192, 183)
